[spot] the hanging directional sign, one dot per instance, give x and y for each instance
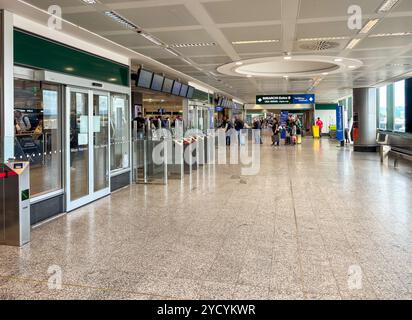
(286, 99)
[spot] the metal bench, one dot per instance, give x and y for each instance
(400, 154)
(394, 146)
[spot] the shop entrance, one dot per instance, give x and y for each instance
(87, 156)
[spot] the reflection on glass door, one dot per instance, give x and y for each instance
(100, 141)
(79, 145)
(88, 164)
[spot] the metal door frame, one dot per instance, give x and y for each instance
(92, 195)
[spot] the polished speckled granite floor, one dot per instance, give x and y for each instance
(291, 232)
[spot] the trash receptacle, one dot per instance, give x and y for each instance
(316, 132)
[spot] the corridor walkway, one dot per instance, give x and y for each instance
(317, 222)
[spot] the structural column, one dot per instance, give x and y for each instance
(6, 85)
(364, 118)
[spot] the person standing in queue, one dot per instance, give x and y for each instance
(140, 125)
(257, 125)
(319, 123)
(276, 132)
(229, 127)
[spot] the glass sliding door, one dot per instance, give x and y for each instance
(101, 141)
(87, 140)
(79, 145)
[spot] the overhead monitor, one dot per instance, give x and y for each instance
(176, 88)
(183, 90)
(190, 92)
(157, 82)
(144, 79)
(167, 85)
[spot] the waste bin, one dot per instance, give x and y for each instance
(316, 132)
(14, 203)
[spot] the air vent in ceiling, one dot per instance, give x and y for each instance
(319, 45)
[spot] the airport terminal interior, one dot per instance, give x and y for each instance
(205, 150)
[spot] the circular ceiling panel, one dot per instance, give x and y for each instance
(296, 66)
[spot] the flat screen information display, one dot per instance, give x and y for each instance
(190, 92)
(145, 79)
(176, 88)
(167, 85)
(183, 90)
(286, 99)
(157, 82)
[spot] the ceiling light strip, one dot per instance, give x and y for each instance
(353, 43)
(395, 34)
(188, 45)
(369, 26)
(172, 52)
(387, 5)
(121, 20)
(322, 39)
(255, 41)
(151, 39)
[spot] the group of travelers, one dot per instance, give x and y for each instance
(292, 131)
(143, 125)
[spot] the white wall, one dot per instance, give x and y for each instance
(328, 117)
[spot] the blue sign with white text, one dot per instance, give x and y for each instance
(303, 99)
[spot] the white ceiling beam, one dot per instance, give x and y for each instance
(290, 12)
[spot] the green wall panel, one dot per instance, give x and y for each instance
(37, 52)
(326, 106)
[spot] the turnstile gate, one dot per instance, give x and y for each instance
(14, 203)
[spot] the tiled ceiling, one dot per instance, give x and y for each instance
(221, 22)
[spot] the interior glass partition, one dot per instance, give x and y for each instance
(119, 138)
(38, 134)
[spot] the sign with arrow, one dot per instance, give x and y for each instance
(286, 99)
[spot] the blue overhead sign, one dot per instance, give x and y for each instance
(286, 99)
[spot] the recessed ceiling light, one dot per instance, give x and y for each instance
(322, 39)
(189, 45)
(395, 34)
(187, 61)
(239, 63)
(325, 73)
(368, 27)
(151, 38)
(256, 41)
(287, 58)
(249, 76)
(353, 43)
(90, 1)
(338, 60)
(172, 52)
(119, 19)
(387, 5)
(352, 67)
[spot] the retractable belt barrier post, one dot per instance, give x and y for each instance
(14, 203)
